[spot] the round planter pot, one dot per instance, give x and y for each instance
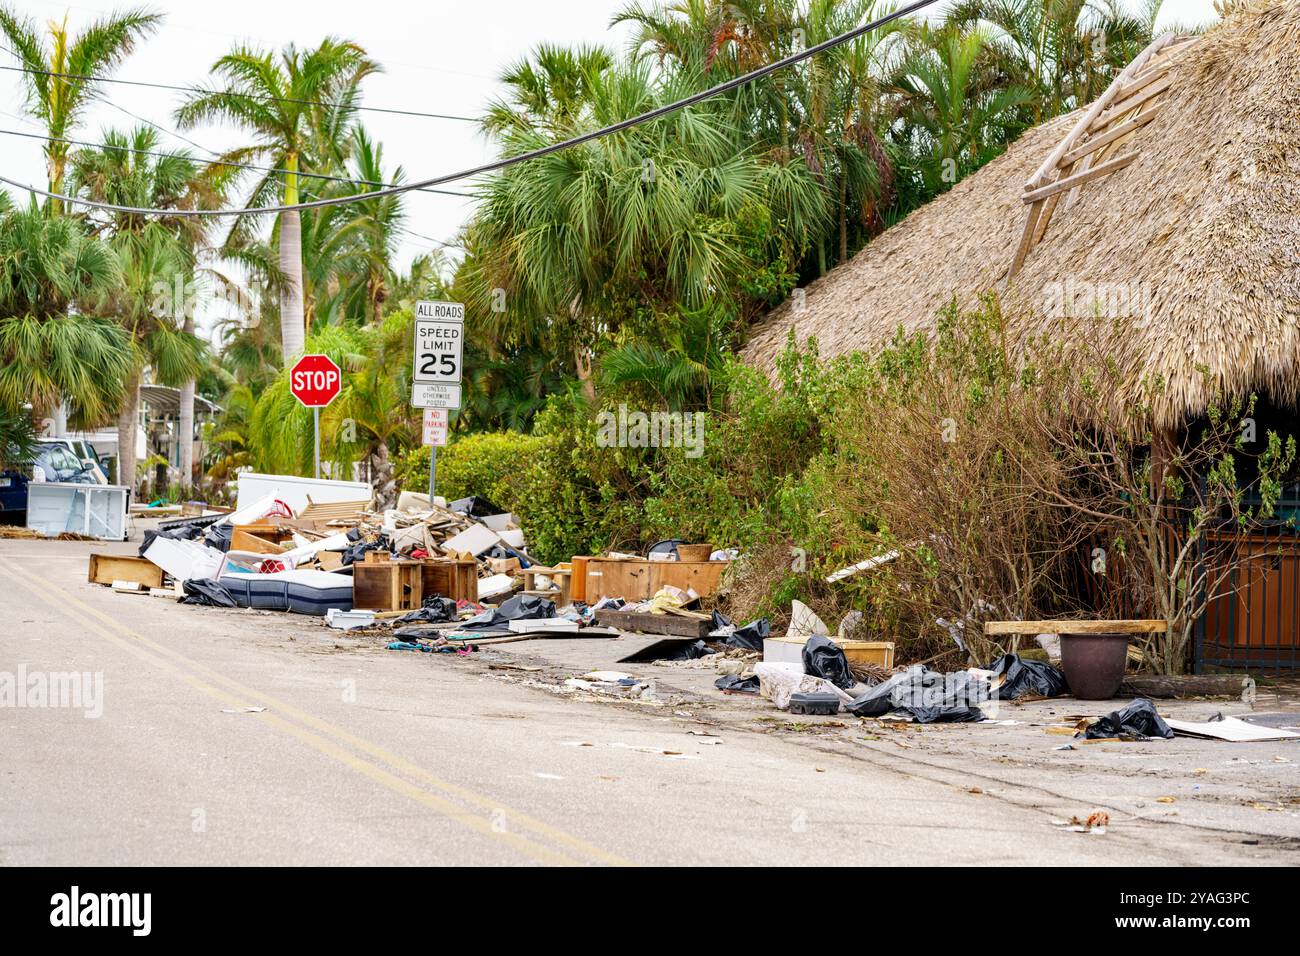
(1094, 664)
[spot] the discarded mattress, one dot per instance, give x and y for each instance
(303, 592)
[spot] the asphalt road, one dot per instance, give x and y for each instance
(227, 737)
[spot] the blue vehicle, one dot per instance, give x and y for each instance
(53, 462)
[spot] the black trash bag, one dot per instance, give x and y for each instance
(751, 636)
(735, 684)
(219, 536)
(182, 532)
(1028, 677)
(928, 696)
(208, 593)
(942, 715)
(434, 610)
(357, 552)
(521, 607)
(720, 620)
(690, 652)
(878, 700)
(1138, 719)
(822, 657)
(476, 507)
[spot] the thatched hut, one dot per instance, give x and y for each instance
(1159, 225)
(1176, 203)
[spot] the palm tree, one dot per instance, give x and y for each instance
(579, 240)
(57, 78)
(1064, 52)
(158, 263)
(285, 101)
(375, 228)
(50, 350)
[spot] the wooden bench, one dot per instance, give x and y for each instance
(1014, 629)
(561, 590)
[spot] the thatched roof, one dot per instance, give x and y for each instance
(1195, 241)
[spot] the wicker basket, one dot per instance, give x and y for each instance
(694, 552)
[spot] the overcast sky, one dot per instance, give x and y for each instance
(439, 56)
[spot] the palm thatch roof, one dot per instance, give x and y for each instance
(1178, 252)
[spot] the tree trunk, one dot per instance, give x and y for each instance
(292, 328)
(582, 365)
(126, 431)
(185, 433)
(844, 219)
(383, 483)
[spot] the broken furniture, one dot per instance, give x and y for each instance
(54, 507)
(111, 568)
(561, 592)
(638, 580)
(453, 578)
(383, 583)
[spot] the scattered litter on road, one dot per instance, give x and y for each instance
(1138, 720)
(1095, 823)
(1229, 729)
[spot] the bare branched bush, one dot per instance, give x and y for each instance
(936, 445)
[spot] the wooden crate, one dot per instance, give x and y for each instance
(380, 585)
(107, 568)
(450, 578)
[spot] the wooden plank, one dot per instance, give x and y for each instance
(1065, 185)
(1093, 111)
(1144, 79)
(1122, 130)
(107, 568)
(1074, 627)
(646, 623)
(1133, 102)
(329, 510)
(241, 540)
(1026, 240)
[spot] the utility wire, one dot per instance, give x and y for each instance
(213, 162)
(199, 89)
(499, 164)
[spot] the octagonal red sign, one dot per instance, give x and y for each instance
(315, 380)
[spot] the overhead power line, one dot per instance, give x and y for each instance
(216, 162)
(198, 89)
(494, 166)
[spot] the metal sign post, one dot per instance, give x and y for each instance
(436, 377)
(315, 421)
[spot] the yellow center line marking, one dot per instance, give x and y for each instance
(39, 587)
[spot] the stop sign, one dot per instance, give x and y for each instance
(315, 380)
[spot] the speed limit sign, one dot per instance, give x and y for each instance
(439, 354)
